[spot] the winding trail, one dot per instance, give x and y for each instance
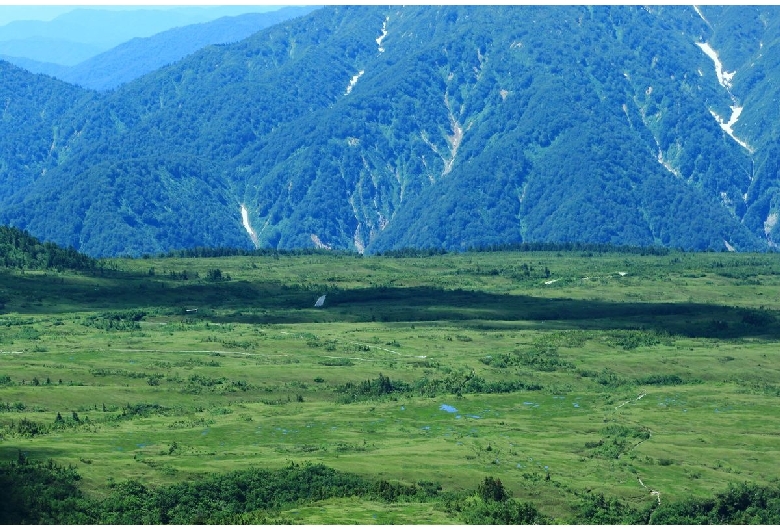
(629, 401)
(652, 492)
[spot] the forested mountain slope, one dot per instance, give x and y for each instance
(371, 128)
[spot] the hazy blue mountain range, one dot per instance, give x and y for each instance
(372, 128)
(83, 33)
(139, 56)
(59, 52)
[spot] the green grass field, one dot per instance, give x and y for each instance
(639, 377)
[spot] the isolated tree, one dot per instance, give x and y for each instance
(491, 489)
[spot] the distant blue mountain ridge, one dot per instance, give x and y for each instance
(84, 32)
(141, 55)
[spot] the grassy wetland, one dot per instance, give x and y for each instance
(590, 386)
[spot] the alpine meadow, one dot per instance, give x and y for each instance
(396, 265)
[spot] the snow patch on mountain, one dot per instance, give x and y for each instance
(382, 36)
(358, 240)
(625, 111)
(728, 126)
(724, 78)
(456, 138)
(671, 169)
(353, 81)
(453, 141)
(318, 243)
(248, 226)
(770, 223)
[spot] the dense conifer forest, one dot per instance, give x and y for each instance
(371, 129)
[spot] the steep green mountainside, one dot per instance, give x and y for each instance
(139, 56)
(750, 40)
(370, 128)
(35, 133)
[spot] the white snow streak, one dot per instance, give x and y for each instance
(318, 242)
(353, 81)
(382, 36)
(248, 226)
(724, 78)
(728, 126)
(456, 138)
(698, 11)
(453, 141)
(666, 164)
(770, 223)
(359, 246)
